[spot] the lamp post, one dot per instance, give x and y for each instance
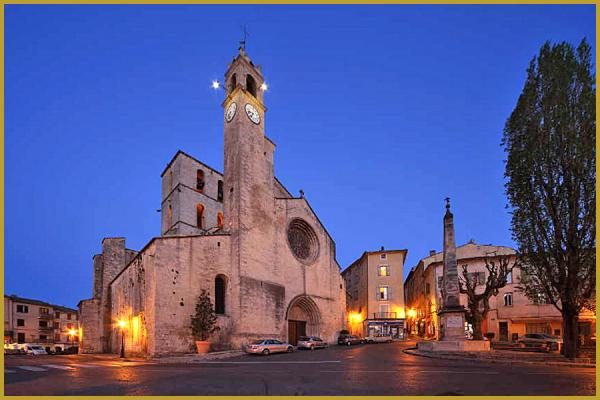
(122, 325)
(72, 333)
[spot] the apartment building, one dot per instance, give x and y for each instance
(375, 293)
(35, 321)
(511, 314)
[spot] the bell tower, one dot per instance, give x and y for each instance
(248, 203)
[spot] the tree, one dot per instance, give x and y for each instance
(478, 301)
(551, 159)
(204, 320)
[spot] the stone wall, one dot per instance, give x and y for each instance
(179, 191)
(133, 300)
(90, 326)
(96, 317)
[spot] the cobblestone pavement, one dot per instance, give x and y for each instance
(377, 369)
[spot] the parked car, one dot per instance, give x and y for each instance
(378, 339)
(311, 342)
(268, 346)
(348, 340)
(35, 350)
(540, 341)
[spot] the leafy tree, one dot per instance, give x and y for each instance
(551, 159)
(204, 320)
(478, 296)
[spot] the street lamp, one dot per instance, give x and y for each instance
(122, 324)
(216, 85)
(72, 332)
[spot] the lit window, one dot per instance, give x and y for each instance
(384, 270)
(199, 215)
(220, 220)
(508, 299)
(383, 293)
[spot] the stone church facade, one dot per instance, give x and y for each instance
(263, 255)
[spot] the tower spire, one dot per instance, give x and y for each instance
(242, 47)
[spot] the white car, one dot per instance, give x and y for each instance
(35, 350)
(379, 339)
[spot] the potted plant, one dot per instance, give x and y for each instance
(203, 322)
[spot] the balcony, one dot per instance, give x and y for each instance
(46, 329)
(384, 315)
(46, 316)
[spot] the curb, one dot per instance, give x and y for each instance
(196, 358)
(414, 352)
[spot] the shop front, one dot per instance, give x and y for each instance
(393, 328)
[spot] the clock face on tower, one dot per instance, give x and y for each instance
(252, 113)
(230, 112)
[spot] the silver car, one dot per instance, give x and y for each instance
(268, 346)
(540, 341)
(311, 342)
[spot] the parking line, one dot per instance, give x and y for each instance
(268, 362)
(34, 369)
(57, 366)
(83, 365)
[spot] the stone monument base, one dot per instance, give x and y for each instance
(455, 345)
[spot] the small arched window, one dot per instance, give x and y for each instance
(169, 216)
(233, 83)
(220, 294)
(220, 190)
(251, 85)
(220, 220)
(200, 180)
(199, 215)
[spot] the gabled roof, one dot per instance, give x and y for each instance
(182, 153)
(18, 299)
(469, 250)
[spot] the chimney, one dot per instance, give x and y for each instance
(382, 249)
(431, 252)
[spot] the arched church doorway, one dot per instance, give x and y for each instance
(303, 318)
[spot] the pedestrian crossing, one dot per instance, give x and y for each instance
(70, 366)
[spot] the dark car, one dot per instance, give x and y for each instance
(348, 340)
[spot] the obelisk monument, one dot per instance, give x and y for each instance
(452, 315)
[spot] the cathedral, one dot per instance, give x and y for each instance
(263, 255)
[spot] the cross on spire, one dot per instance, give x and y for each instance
(447, 202)
(243, 42)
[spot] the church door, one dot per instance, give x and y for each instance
(295, 330)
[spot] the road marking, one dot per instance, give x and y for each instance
(9, 371)
(57, 366)
(35, 369)
(401, 371)
(83, 365)
(268, 362)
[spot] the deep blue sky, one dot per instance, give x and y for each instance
(378, 112)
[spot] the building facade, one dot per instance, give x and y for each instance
(263, 255)
(511, 313)
(375, 294)
(34, 321)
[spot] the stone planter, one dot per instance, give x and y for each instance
(202, 347)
